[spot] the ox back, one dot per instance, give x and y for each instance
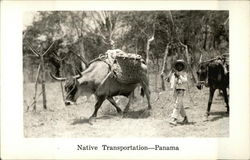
(216, 76)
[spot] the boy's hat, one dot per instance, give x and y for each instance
(181, 63)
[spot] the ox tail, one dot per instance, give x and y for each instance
(142, 92)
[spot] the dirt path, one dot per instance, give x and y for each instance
(72, 121)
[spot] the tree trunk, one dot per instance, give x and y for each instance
(163, 68)
(156, 74)
(62, 75)
(205, 39)
(147, 50)
(188, 62)
(43, 83)
(158, 65)
(34, 98)
(82, 52)
(156, 81)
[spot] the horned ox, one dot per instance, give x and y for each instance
(96, 79)
(211, 74)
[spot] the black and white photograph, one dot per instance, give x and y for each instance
(126, 74)
(125, 80)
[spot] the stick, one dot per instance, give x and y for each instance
(34, 101)
(33, 50)
(188, 61)
(210, 60)
(37, 76)
(43, 82)
(41, 65)
(61, 72)
(163, 68)
(48, 49)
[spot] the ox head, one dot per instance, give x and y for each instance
(71, 87)
(77, 87)
(74, 87)
(202, 75)
(202, 71)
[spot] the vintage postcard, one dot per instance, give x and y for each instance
(125, 80)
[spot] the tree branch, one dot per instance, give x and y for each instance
(33, 50)
(74, 24)
(48, 49)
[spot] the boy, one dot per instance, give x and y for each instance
(178, 79)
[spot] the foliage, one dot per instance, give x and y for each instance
(90, 33)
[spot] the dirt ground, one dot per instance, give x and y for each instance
(72, 121)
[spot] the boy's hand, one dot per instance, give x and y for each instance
(176, 75)
(168, 79)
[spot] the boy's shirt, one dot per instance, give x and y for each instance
(178, 83)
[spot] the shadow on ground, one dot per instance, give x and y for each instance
(81, 121)
(218, 115)
(189, 123)
(91, 120)
(143, 113)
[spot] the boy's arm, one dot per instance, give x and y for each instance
(169, 76)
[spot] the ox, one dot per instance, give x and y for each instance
(97, 79)
(212, 75)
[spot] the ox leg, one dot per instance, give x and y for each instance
(211, 95)
(145, 87)
(130, 98)
(226, 99)
(112, 101)
(98, 105)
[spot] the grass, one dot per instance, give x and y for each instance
(72, 121)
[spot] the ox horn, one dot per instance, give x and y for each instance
(57, 78)
(79, 75)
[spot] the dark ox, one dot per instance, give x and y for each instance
(211, 74)
(97, 80)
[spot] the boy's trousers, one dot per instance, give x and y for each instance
(178, 106)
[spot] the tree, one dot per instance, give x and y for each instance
(90, 33)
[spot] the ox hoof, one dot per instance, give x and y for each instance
(125, 111)
(67, 103)
(92, 119)
(227, 109)
(206, 117)
(207, 114)
(145, 113)
(124, 114)
(120, 114)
